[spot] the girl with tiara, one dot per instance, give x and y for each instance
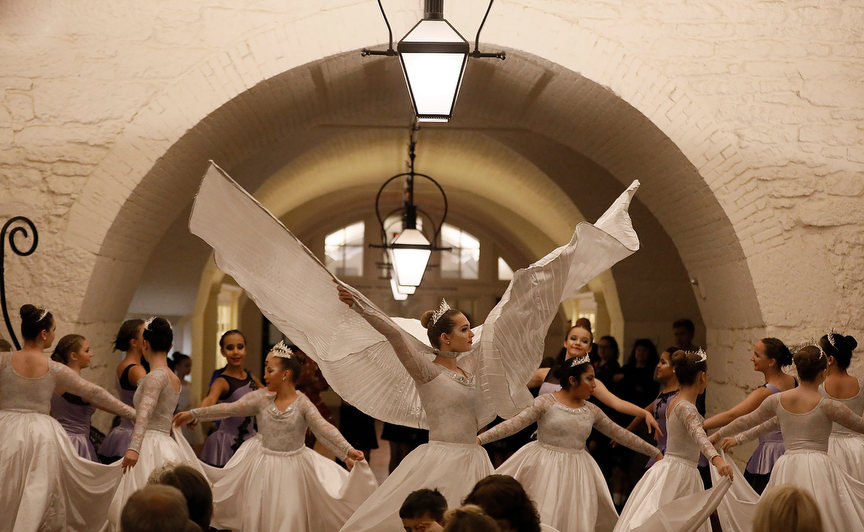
(805, 418)
(129, 371)
(556, 466)
(577, 343)
(383, 365)
(769, 357)
(661, 488)
(314, 493)
(233, 383)
(155, 401)
(72, 412)
(844, 446)
(46, 484)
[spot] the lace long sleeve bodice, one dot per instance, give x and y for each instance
(620, 434)
(519, 421)
(155, 401)
(767, 427)
(685, 436)
(324, 431)
(421, 369)
(248, 405)
(34, 395)
(763, 413)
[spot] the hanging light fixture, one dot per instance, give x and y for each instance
(433, 57)
(409, 250)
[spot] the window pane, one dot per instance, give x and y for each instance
(505, 272)
(343, 250)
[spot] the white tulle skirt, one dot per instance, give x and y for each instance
(451, 468)
(668, 480)
(295, 491)
(848, 451)
(157, 449)
(552, 476)
(45, 484)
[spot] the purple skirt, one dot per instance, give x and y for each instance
(769, 450)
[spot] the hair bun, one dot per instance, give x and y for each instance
(29, 311)
(851, 342)
(426, 319)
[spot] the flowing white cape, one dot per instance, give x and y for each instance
(296, 293)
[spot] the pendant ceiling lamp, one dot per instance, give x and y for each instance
(433, 56)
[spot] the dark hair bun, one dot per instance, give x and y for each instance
(29, 313)
(850, 342)
(426, 319)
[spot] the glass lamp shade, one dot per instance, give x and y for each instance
(408, 257)
(397, 295)
(433, 57)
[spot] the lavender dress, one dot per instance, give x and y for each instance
(766, 454)
(73, 414)
(117, 442)
(233, 431)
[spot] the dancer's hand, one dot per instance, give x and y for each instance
(714, 438)
(728, 443)
(356, 455)
(652, 424)
(184, 418)
(345, 295)
(722, 467)
(129, 460)
(658, 457)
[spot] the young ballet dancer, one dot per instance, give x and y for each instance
(72, 412)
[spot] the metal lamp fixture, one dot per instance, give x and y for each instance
(409, 251)
(433, 57)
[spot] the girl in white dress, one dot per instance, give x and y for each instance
(155, 402)
(845, 447)
(676, 475)
(557, 466)
(805, 417)
(46, 485)
(314, 493)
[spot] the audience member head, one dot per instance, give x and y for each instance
(810, 362)
(505, 500)
(607, 347)
(469, 518)
(422, 506)
(37, 324)
(840, 347)
(72, 348)
(450, 332)
(181, 364)
(664, 370)
(787, 509)
(194, 487)
(683, 330)
(155, 507)
(129, 335)
(773, 349)
(644, 354)
(689, 368)
(158, 335)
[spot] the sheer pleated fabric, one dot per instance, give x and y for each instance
(296, 293)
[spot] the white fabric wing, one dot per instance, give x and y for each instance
(296, 293)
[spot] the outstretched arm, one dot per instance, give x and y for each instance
(759, 430)
(92, 393)
(248, 405)
(625, 407)
(749, 404)
(766, 411)
(621, 435)
(840, 413)
(517, 422)
(421, 369)
(324, 431)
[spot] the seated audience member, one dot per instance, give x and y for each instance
(505, 500)
(421, 509)
(469, 518)
(194, 487)
(156, 507)
(787, 509)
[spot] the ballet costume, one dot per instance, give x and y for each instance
(155, 401)
(557, 466)
(73, 414)
(674, 477)
(274, 482)
(766, 454)
(117, 441)
(46, 484)
(805, 464)
(844, 446)
(232, 431)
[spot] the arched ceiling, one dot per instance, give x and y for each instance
(531, 148)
